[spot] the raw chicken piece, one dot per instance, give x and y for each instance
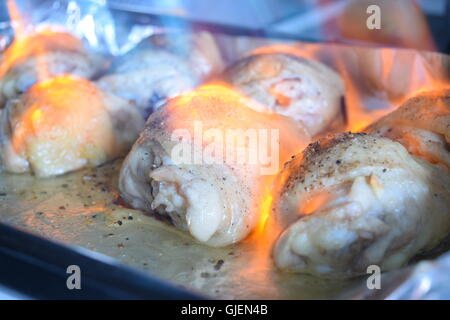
(422, 125)
(354, 200)
(153, 73)
(63, 124)
(204, 159)
(302, 89)
(41, 56)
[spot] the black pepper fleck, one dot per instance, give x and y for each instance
(219, 265)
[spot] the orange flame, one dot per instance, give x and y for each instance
(36, 45)
(17, 20)
(377, 81)
(48, 109)
(20, 48)
(33, 43)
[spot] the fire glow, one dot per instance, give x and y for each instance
(368, 72)
(33, 43)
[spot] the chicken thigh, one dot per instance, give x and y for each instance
(63, 124)
(154, 72)
(422, 125)
(305, 90)
(373, 205)
(40, 56)
(354, 200)
(203, 161)
(148, 77)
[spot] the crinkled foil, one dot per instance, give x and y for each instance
(90, 20)
(81, 208)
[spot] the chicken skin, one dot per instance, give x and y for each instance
(354, 200)
(40, 56)
(422, 125)
(201, 161)
(305, 90)
(149, 77)
(151, 74)
(63, 124)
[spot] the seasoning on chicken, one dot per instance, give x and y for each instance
(305, 90)
(203, 160)
(64, 124)
(354, 200)
(40, 56)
